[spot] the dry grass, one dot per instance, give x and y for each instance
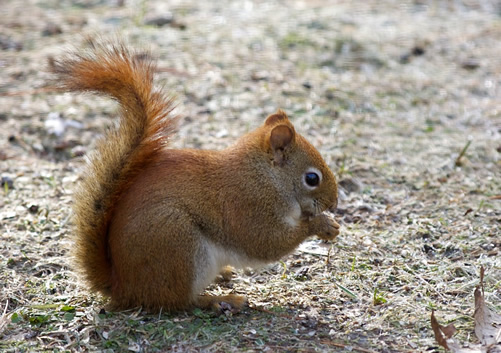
(402, 99)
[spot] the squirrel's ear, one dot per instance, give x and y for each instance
(277, 117)
(280, 138)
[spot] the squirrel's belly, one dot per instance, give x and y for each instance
(211, 258)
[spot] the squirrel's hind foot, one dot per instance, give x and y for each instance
(221, 304)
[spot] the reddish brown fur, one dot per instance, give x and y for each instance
(155, 224)
(146, 123)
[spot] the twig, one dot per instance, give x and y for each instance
(458, 163)
(3, 318)
(342, 345)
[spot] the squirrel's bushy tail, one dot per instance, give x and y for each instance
(146, 122)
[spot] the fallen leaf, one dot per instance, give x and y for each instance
(440, 336)
(487, 322)
(443, 336)
(487, 327)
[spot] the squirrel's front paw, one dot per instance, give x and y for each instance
(324, 226)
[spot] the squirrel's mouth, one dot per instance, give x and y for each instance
(313, 209)
(307, 214)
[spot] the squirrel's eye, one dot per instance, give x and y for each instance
(312, 179)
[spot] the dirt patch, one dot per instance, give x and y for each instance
(402, 100)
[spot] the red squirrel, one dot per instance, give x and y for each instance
(156, 225)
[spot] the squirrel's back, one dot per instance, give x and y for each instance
(146, 122)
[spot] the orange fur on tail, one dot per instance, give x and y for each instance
(146, 123)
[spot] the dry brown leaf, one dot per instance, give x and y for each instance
(487, 327)
(443, 336)
(487, 322)
(440, 330)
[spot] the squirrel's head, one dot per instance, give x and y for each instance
(299, 166)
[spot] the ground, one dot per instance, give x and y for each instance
(400, 97)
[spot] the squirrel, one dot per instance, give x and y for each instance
(155, 225)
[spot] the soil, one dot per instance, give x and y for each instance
(401, 99)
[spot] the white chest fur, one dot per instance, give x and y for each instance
(212, 258)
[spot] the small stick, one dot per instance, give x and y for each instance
(342, 345)
(458, 163)
(329, 255)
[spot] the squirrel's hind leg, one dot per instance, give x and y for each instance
(154, 262)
